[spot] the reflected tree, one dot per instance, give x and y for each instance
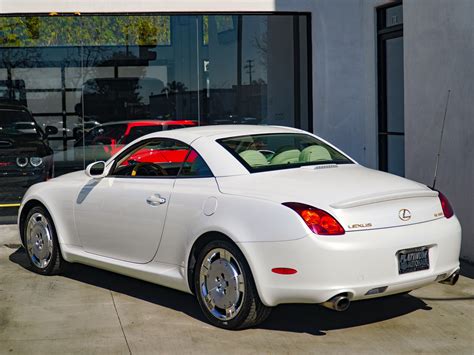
(174, 87)
(40, 31)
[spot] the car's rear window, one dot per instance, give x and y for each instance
(265, 152)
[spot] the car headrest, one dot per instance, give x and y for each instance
(253, 157)
(314, 153)
(286, 157)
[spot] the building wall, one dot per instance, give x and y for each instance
(439, 55)
(345, 76)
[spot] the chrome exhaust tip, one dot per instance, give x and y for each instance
(451, 280)
(338, 303)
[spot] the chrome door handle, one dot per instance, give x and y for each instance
(155, 200)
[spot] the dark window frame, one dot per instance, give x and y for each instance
(384, 34)
(145, 142)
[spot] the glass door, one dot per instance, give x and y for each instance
(391, 90)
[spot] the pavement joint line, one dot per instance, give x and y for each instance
(120, 322)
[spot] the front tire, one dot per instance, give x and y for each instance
(225, 288)
(41, 242)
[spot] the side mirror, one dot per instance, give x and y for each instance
(96, 170)
(50, 130)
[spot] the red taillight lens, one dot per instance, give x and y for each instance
(445, 205)
(284, 271)
(317, 220)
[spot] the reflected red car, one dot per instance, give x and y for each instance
(109, 138)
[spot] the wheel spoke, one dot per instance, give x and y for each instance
(39, 240)
(222, 284)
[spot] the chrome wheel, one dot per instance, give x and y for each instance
(39, 240)
(222, 284)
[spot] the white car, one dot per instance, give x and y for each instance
(246, 218)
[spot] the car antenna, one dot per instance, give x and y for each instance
(441, 140)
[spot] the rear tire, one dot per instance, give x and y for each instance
(225, 288)
(41, 242)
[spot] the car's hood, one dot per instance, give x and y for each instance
(352, 193)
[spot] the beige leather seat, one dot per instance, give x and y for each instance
(314, 153)
(286, 157)
(253, 158)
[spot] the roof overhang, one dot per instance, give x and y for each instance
(160, 6)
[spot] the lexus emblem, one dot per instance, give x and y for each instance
(404, 214)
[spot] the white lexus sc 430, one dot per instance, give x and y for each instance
(245, 218)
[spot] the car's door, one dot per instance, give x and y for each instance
(194, 199)
(121, 216)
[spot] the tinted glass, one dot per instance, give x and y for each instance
(395, 92)
(396, 154)
(281, 151)
(138, 131)
(249, 65)
(156, 158)
(195, 166)
(94, 76)
(13, 122)
(394, 16)
(391, 125)
(102, 134)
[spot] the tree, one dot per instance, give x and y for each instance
(39, 31)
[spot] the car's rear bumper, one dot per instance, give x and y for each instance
(353, 263)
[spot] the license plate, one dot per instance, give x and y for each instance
(411, 260)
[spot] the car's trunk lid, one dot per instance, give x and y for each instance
(359, 198)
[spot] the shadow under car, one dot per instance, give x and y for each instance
(300, 318)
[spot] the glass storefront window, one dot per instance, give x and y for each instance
(101, 80)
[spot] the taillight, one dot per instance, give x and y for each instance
(319, 221)
(445, 205)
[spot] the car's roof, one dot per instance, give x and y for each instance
(224, 131)
(203, 139)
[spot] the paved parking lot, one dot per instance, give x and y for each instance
(92, 311)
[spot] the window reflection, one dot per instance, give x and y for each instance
(103, 81)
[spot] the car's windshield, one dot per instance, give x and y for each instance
(281, 151)
(15, 122)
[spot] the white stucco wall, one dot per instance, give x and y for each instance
(439, 55)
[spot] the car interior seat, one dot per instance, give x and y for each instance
(253, 158)
(314, 153)
(286, 157)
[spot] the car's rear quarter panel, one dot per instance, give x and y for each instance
(242, 219)
(354, 262)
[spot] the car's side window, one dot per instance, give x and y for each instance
(195, 166)
(160, 157)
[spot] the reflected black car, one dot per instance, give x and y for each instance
(25, 156)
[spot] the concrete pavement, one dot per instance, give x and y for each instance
(92, 311)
